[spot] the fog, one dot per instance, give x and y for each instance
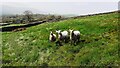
(76, 8)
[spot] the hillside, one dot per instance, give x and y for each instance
(31, 47)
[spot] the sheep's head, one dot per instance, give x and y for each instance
(70, 30)
(58, 31)
(51, 32)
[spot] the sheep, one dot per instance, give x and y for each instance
(63, 36)
(52, 37)
(74, 36)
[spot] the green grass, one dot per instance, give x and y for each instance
(31, 47)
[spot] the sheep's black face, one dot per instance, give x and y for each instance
(53, 39)
(51, 34)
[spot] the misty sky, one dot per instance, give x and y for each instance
(77, 8)
(59, 0)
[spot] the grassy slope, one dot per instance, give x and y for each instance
(31, 47)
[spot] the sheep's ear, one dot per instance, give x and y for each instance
(56, 31)
(51, 32)
(70, 30)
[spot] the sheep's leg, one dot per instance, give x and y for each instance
(66, 40)
(74, 42)
(58, 43)
(71, 42)
(78, 40)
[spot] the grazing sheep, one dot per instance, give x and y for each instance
(52, 37)
(74, 36)
(63, 36)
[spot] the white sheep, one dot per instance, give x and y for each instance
(63, 36)
(52, 37)
(74, 36)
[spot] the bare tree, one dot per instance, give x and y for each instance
(28, 14)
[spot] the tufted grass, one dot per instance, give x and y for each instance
(31, 47)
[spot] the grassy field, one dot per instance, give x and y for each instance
(31, 47)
